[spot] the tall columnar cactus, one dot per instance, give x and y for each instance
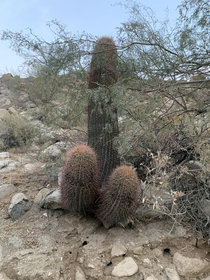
(119, 200)
(103, 125)
(80, 180)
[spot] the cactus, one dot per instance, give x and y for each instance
(119, 200)
(80, 180)
(103, 125)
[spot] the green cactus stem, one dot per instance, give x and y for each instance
(103, 124)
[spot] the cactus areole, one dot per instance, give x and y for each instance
(103, 125)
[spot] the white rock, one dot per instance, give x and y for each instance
(4, 163)
(41, 194)
(147, 263)
(126, 267)
(152, 277)
(172, 274)
(80, 275)
(52, 151)
(52, 200)
(91, 266)
(118, 249)
(190, 266)
(138, 251)
(4, 155)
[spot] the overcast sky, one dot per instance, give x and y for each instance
(97, 17)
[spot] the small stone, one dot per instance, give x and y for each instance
(152, 277)
(80, 275)
(126, 267)
(138, 251)
(52, 151)
(4, 155)
(41, 194)
(172, 274)
(147, 263)
(91, 266)
(190, 266)
(52, 200)
(118, 249)
(19, 205)
(15, 242)
(81, 260)
(4, 163)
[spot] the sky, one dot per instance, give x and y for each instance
(97, 17)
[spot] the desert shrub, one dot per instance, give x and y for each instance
(16, 131)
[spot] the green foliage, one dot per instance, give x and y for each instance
(80, 180)
(16, 131)
(118, 201)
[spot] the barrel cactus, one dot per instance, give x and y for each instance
(80, 180)
(103, 124)
(119, 200)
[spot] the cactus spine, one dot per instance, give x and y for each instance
(80, 180)
(119, 200)
(103, 73)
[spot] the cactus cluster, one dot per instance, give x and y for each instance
(80, 180)
(103, 72)
(119, 200)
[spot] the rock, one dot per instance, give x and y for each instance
(190, 266)
(19, 205)
(126, 267)
(4, 155)
(4, 163)
(138, 251)
(52, 151)
(147, 263)
(172, 274)
(151, 278)
(91, 266)
(118, 249)
(80, 275)
(208, 278)
(41, 194)
(15, 242)
(11, 165)
(6, 190)
(52, 200)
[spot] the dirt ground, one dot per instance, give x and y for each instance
(53, 244)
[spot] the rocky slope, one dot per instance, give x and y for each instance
(38, 240)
